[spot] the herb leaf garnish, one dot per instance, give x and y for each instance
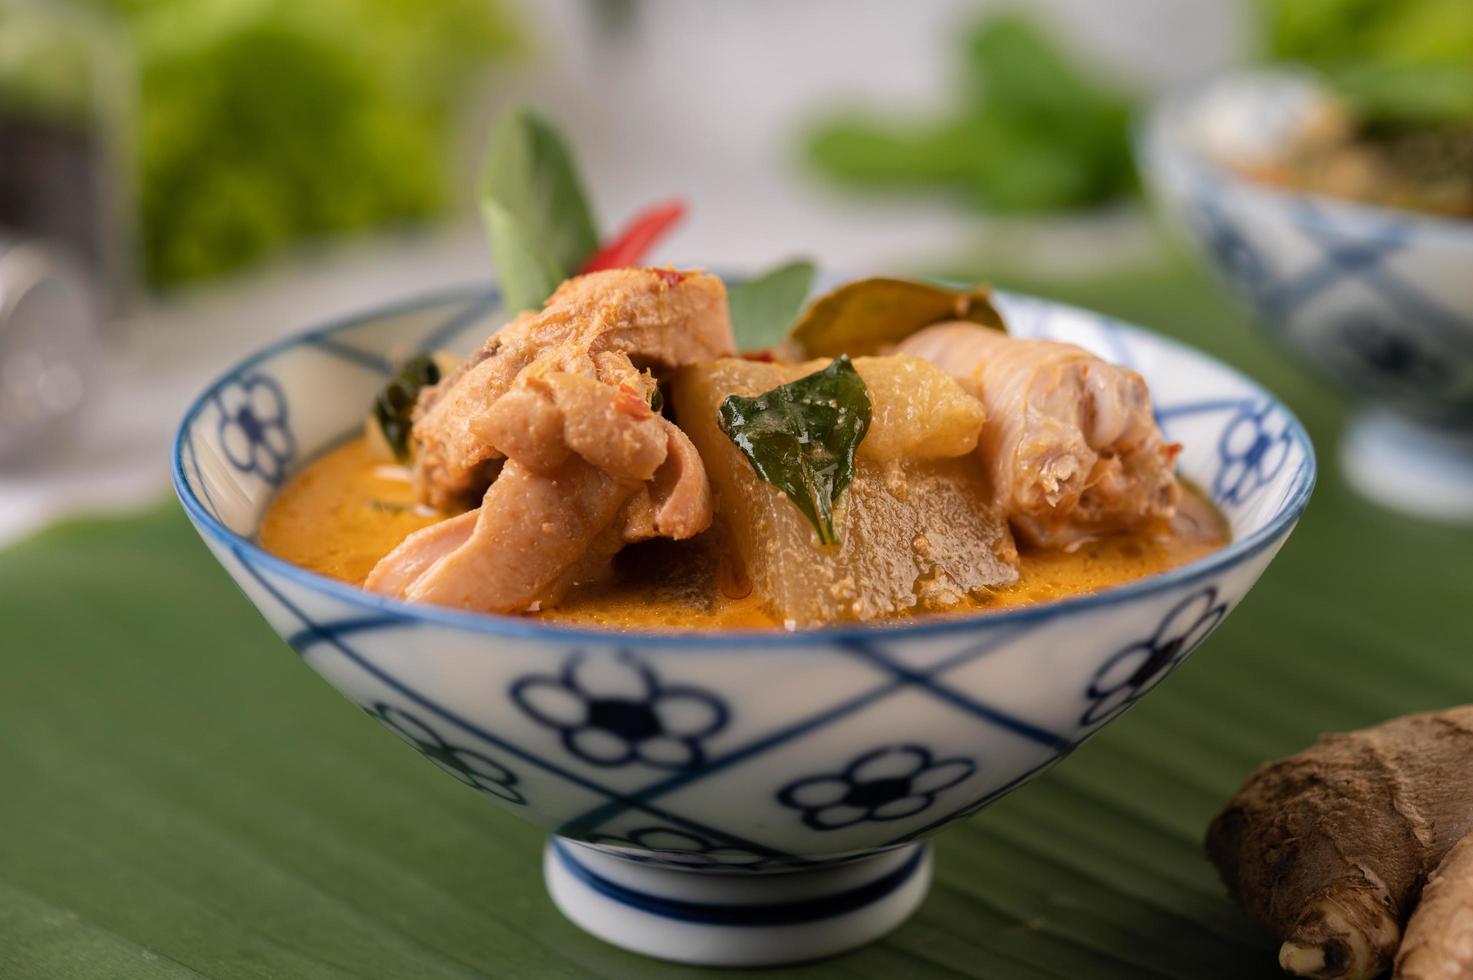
(537, 217)
(394, 405)
(801, 437)
(764, 307)
(863, 316)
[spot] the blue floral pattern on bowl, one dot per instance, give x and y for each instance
(1376, 299)
(254, 434)
(1254, 448)
(1127, 675)
(1231, 249)
(615, 711)
(682, 849)
(1389, 356)
(743, 753)
(888, 783)
(475, 769)
(1317, 270)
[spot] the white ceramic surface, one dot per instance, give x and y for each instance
(754, 920)
(1380, 301)
(718, 778)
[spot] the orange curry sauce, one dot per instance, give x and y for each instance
(348, 509)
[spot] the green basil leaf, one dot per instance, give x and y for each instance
(863, 316)
(528, 272)
(763, 308)
(537, 217)
(393, 407)
(801, 438)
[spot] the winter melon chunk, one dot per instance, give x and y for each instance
(917, 529)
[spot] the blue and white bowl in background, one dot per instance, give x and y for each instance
(1378, 300)
(733, 798)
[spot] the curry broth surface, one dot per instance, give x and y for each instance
(348, 509)
(343, 513)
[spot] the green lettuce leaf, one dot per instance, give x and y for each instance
(263, 123)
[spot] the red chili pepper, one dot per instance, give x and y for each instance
(634, 242)
(631, 402)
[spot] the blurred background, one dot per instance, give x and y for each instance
(183, 180)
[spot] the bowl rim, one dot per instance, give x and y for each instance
(248, 551)
(1165, 121)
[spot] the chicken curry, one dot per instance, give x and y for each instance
(612, 460)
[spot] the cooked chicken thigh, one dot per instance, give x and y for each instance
(551, 424)
(605, 326)
(1070, 441)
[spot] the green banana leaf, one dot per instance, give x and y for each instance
(180, 797)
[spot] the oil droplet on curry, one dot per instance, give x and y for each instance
(349, 509)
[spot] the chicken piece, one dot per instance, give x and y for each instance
(552, 425)
(1071, 444)
(917, 528)
(541, 532)
(607, 326)
(531, 540)
(430, 544)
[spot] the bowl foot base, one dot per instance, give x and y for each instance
(1409, 468)
(716, 919)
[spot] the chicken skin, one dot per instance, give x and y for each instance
(608, 326)
(1070, 442)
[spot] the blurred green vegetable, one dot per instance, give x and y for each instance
(48, 64)
(1408, 61)
(1031, 133)
(264, 122)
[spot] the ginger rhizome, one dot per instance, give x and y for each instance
(1336, 848)
(1439, 938)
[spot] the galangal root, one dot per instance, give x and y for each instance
(1339, 847)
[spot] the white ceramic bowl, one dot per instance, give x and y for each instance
(1378, 300)
(731, 797)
